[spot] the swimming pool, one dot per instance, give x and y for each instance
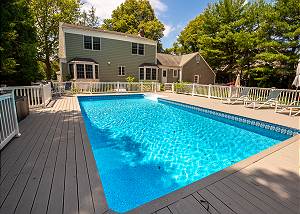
(145, 149)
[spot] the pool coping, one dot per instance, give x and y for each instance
(172, 197)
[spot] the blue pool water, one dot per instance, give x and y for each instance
(145, 149)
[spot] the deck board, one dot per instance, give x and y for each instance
(51, 169)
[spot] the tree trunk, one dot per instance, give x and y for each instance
(48, 67)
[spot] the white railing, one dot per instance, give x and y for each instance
(286, 96)
(8, 118)
(37, 96)
(107, 87)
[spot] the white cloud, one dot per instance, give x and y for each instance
(104, 8)
(168, 29)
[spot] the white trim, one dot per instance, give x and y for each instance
(108, 35)
(150, 67)
(122, 66)
(138, 45)
(92, 43)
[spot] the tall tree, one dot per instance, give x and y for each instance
(134, 15)
(48, 14)
(18, 63)
(89, 18)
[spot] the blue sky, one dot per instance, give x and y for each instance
(174, 14)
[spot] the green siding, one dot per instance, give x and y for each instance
(117, 52)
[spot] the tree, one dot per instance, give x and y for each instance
(89, 18)
(134, 15)
(48, 14)
(18, 63)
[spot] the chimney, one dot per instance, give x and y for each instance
(142, 32)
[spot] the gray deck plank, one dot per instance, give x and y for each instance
(266, 191)
(215, 202)
(84, 191)
(43, 193)
(28, 196)
(164, 211)
(207, 205)
(18, 146)
(70, 194)
(15, 191)
(56, 200)
(27, 154)
(248, 196)
(247, 206)
(188, 205)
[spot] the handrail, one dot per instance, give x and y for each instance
(9, 127)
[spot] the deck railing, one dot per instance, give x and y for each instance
(8, 118)
(37, 96)
(286, 96)
(107, 87)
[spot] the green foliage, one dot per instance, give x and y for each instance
(134, 15)
(257, 39)
(130, 79)
(181, 87)
(18, 63)
(48, 14)
(89, 18)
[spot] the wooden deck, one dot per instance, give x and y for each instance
(51, 169)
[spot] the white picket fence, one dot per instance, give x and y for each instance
(286, 96)
(37, 96)
(8, 118)
(107, 87)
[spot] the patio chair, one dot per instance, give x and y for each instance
(238, 97)
(293, 106)
(270, 100)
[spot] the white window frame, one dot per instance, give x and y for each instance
(144, 79)
(122, 70)
(197, 58)
(84, 63)
(175, 70)
(92, 43)
(198, 78)
(138, 46)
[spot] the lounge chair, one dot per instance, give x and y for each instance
(238, 97)
(270, 101)
(293, 106)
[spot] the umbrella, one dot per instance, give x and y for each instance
(238, 81)
(297, 78)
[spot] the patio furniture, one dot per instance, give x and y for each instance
(270, 100)
(293, 106)
(238, 97)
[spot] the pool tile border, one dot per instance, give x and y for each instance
(249, 121)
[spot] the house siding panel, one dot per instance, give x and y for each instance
(117, 52)
(191, 68)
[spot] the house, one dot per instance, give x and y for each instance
(88, 54)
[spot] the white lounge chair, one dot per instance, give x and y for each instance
(238, 97)
(270, 100)
(291, 107)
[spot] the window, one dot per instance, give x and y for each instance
(87, 42)
(96, 43)
(137, 49)
(196, 78)
(89, 71)
(71, 70)
(141, 49)
(141, 73)
(148, 73)
(153, 73)
(134, 48)
(96, 72)
(198, 58)
(121, 70)
(80, 71)
(164, 74)
(175, 73)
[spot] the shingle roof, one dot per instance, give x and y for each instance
(78, 59)
(174, 60)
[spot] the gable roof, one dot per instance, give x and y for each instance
(108, 33)
(174, 60)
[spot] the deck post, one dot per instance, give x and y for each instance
(193, 89)
(118, 86)
(173, 88)
(209, 91)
